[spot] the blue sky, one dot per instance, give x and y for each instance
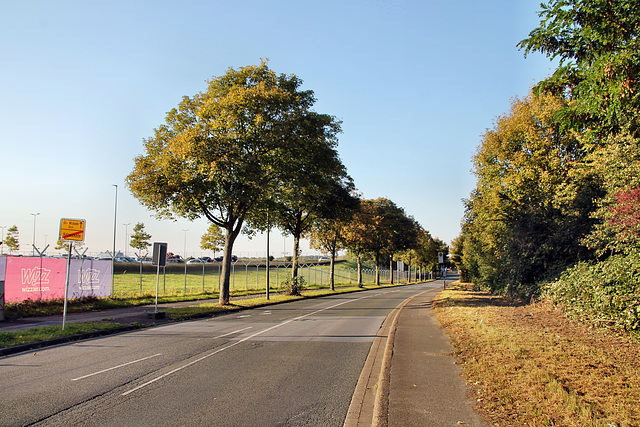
(415, 83)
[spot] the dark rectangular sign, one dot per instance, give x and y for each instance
(159, 254)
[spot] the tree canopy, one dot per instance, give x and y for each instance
(12, 239)
(222, 153)
(558, 177)
(140, 238)
(597, 44)
(212, 239)
(378, 230)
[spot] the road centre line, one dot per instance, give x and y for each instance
(149, 357)
(220, 350)
(115, 367)
(234, 332)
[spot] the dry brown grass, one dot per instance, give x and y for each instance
(531, 366)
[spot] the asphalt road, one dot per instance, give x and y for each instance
(288, 364)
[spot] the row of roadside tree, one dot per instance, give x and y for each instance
(249, 154)
(556, 208)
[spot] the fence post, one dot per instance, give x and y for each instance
(2, 299)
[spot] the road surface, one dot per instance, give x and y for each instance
(288, 364)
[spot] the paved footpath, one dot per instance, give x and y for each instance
(426, 388)
(410, 377)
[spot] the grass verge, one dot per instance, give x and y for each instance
(29, 336)
(531, 366)
(35, 308)
(205, 309)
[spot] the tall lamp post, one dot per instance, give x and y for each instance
(113, 254)
(126, 226)
(184, 257)
(33, 250)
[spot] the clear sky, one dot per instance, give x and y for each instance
(415, 82)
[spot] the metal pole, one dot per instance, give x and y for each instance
(126, 226)
(33, 253)
(66, 286)
(268, 229)
(184, 258)
(157, 285)
(113, 254)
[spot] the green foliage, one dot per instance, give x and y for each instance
(294, 285)
(528, 212)
(616, 166)
(319, 191)
(62, 244)
(223, 153)
(598, 47)
(11, 240)
(140, 238)
(213, 239)
(603, 293)
(457, 257)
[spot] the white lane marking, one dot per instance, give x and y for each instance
(220, 350)
(148, 357)
(242, 316)
(115, 367)
(234, 332)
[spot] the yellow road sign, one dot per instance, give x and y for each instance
(72, 229)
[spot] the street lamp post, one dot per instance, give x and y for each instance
(113, 254)
(34, 233)
(184, 257)
(126, 226)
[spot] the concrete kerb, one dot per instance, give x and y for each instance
(370, 402)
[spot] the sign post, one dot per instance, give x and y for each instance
(3, 266)
(442, 270)
(71, 230)
(159, 260)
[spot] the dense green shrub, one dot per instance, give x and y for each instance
(294, 286)
(605, 293)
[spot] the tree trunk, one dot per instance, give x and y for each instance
(391, 270)
(295, 285)
(229, 239)
(359, 272)
(296, 248)
(331, 275)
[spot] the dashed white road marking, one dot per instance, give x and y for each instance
(115, 367)
(220, 350)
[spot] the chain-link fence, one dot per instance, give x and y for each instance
(245, 276)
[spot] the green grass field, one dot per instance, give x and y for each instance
(172, 279)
